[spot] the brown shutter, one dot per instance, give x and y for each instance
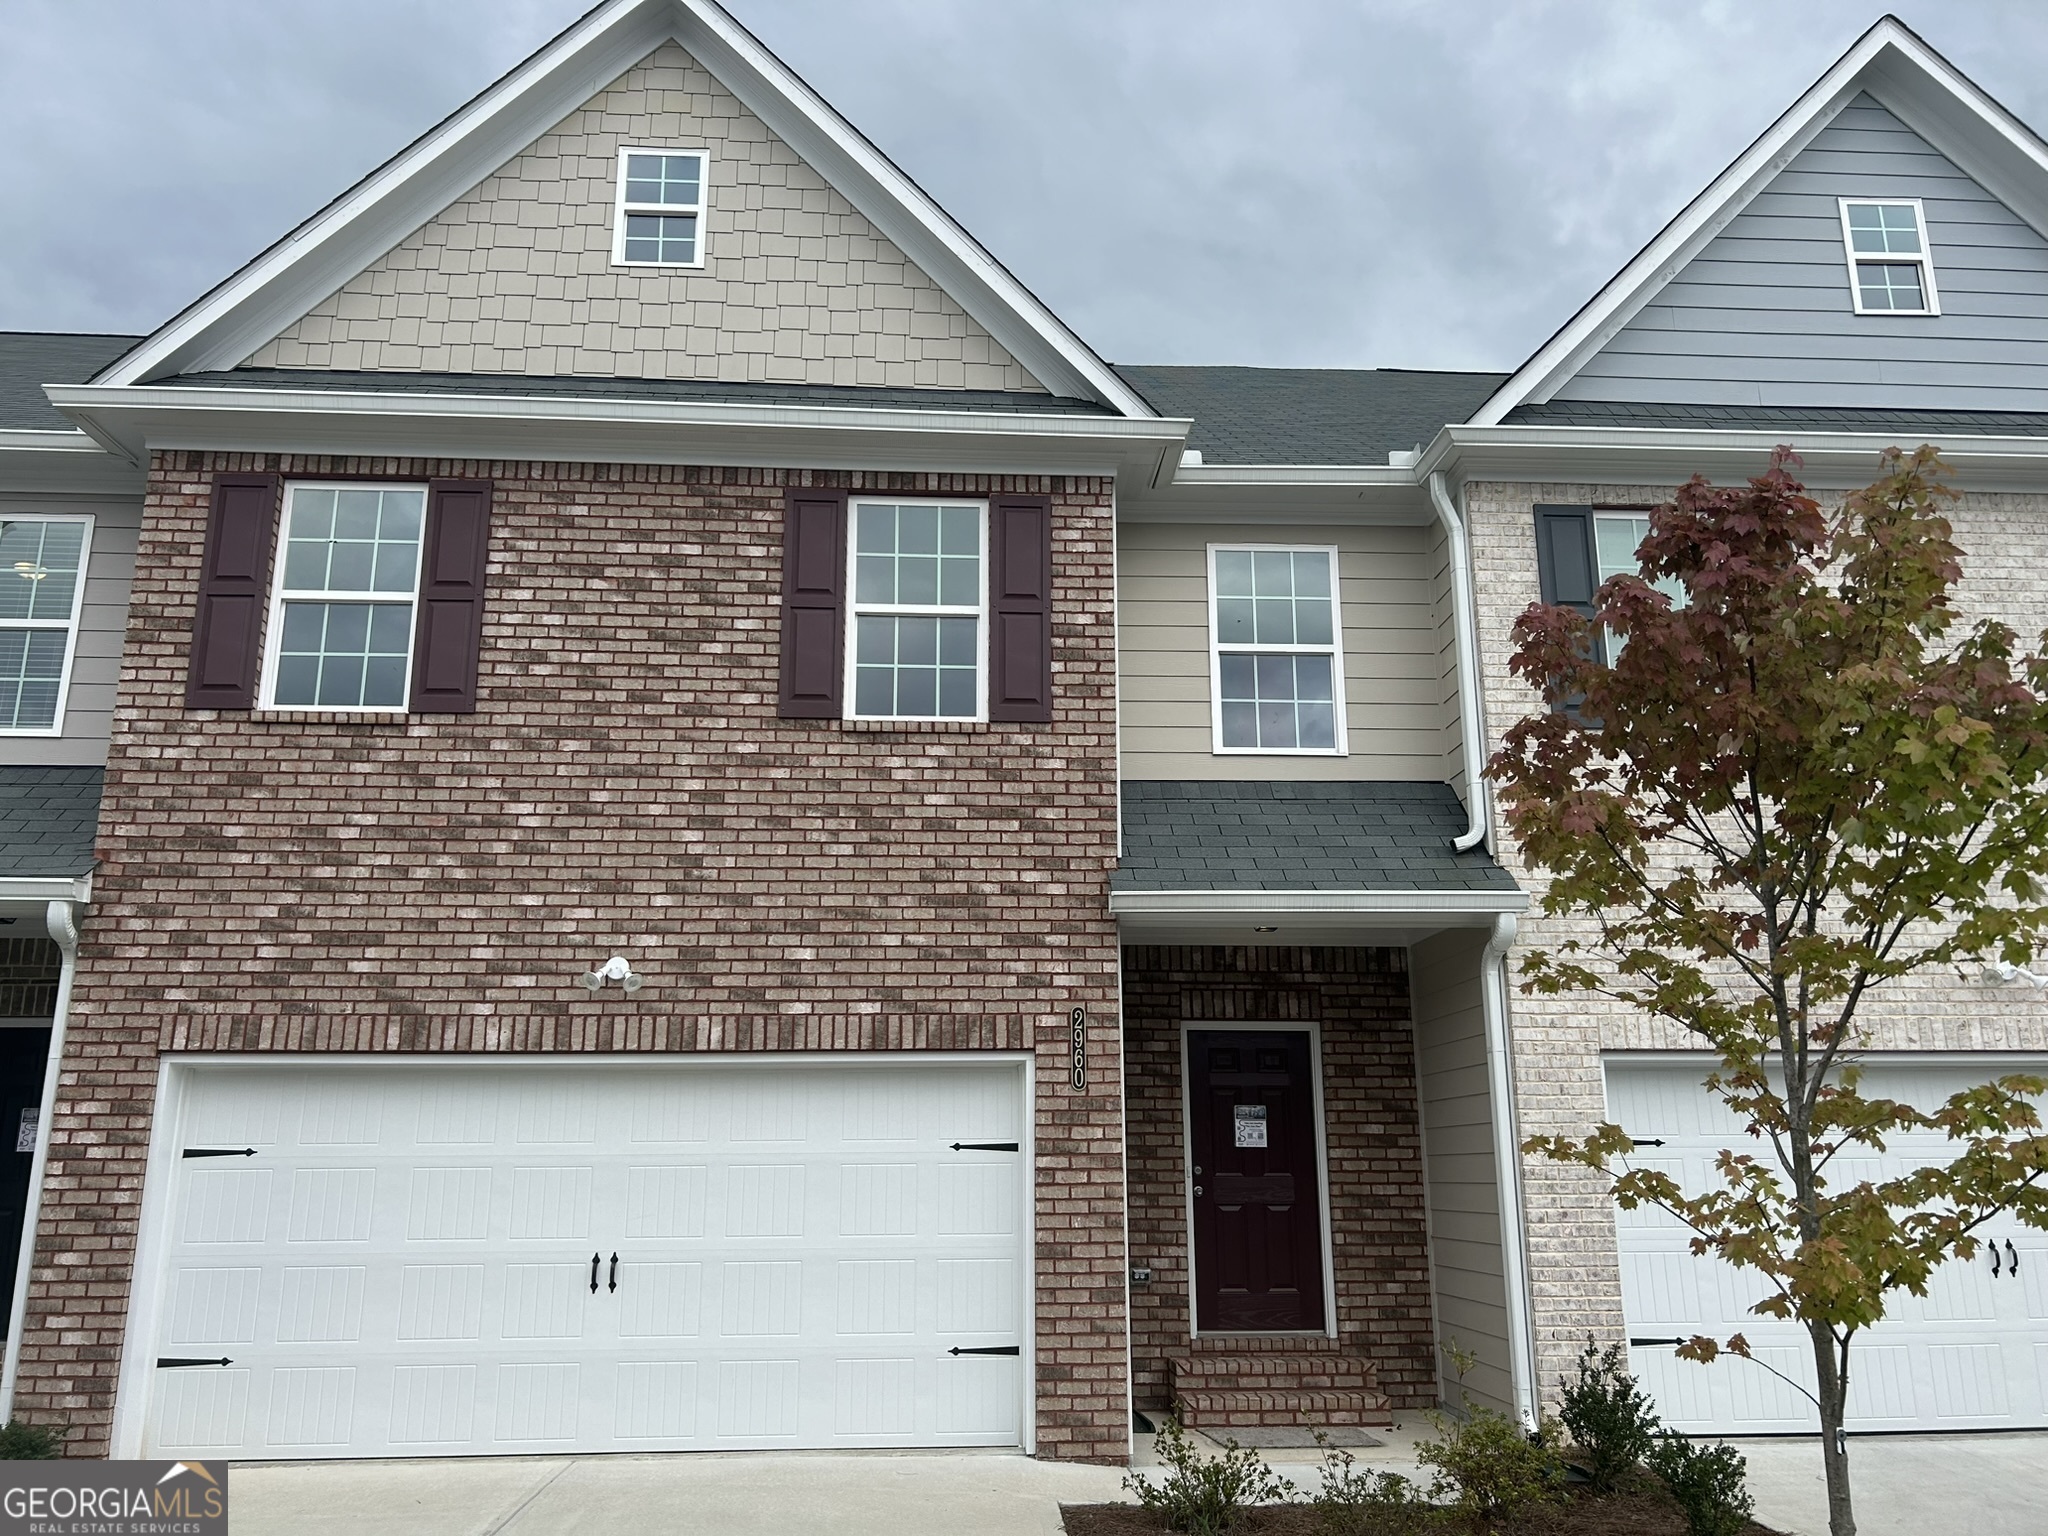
(813, 601)
(234, 573)
(449, 632)
(1020, 608)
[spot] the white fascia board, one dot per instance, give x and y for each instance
(1670, 456)
(313, 261)
(47, 463)
(1281, 493)
(137, 418)
(1888, 51)
(902, 210)
(1395, 903)
(37, 889)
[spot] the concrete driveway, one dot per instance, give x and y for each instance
(1986, 1485)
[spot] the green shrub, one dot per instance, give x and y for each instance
(1355, 1503)
(1707, 1483)
(32, 1442)
(1488, 1466)
(1201, 1496)
(1609, 1418)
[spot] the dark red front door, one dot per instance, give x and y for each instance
(1253, 1161)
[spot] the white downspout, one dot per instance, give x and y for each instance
(1462, 621)
(1507, 1157)
(62, 921)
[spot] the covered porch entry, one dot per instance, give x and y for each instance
(1320, 1230)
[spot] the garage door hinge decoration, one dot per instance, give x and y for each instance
(983, 1146)
(179, 1362)
(989, 1349)
(220, 1152)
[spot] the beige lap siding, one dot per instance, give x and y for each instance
(1574, 1270)
(1359, 998)
(295, 883)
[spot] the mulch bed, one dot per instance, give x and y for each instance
(1621, 1514)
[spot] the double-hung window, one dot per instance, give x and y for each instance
(42, 582)
(1276, 653)
(1891, 269)
(342, 613)
(660, 216)
(919, 613)
(1616, 538)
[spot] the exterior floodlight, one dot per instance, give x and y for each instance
(614, 969)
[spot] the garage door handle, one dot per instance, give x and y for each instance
(1993, 1246)
(179, 1363)
(615, 1274)
(991, 1349)
(595, 1260)
(2012, 1255)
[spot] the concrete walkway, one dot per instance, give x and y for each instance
(1985, 1485)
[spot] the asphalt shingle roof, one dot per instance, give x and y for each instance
(1774, 418)
(31, 359)
(1204, 835)
(592, 388)
(1309, 415)
(47, 820)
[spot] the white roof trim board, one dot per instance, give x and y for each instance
(284, 282)
(1921, 88)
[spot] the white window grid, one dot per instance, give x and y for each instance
(68, 625)
(1922, 259)
(855, 609)
(623, 207)
(273, 627)
(1334, 650)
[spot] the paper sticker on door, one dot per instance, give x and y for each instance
(1249, 1123)
(25, 1133)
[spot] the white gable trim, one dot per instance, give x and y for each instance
(1916, 84)
(356, 229)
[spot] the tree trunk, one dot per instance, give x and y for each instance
(1834, 1449)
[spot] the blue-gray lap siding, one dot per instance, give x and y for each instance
(1763, 316)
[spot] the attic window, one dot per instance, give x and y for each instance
(1891, 270)
(660, 208)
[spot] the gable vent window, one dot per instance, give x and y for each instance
(661, 208)
(1891, 271)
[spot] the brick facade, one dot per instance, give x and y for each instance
(1359, 998)
(296, 882)
(1560, 1087)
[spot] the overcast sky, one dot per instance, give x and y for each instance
(1316, 183)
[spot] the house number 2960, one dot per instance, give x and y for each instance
(1079, 1021)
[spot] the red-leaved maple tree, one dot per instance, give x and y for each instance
(1804, 780)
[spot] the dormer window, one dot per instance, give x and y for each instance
(661, 208)
(1891, 271)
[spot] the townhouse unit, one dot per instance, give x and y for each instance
(644, 809)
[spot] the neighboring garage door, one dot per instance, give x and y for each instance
(459, 1259)
(1972, 1355)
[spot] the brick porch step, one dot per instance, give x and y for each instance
(1271, 1380)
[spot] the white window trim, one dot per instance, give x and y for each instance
(71, 625)
(1334, 650)
(855, 609)
(1924, 261)
(620, 207)
(273, 619)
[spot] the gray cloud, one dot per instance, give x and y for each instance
(1301, 182)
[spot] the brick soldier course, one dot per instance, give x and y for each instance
(296, 882)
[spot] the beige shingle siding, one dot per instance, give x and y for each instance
(517, 276)
(1574, 1270)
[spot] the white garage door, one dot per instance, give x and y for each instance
(1973, 1354)
(459, 1259)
